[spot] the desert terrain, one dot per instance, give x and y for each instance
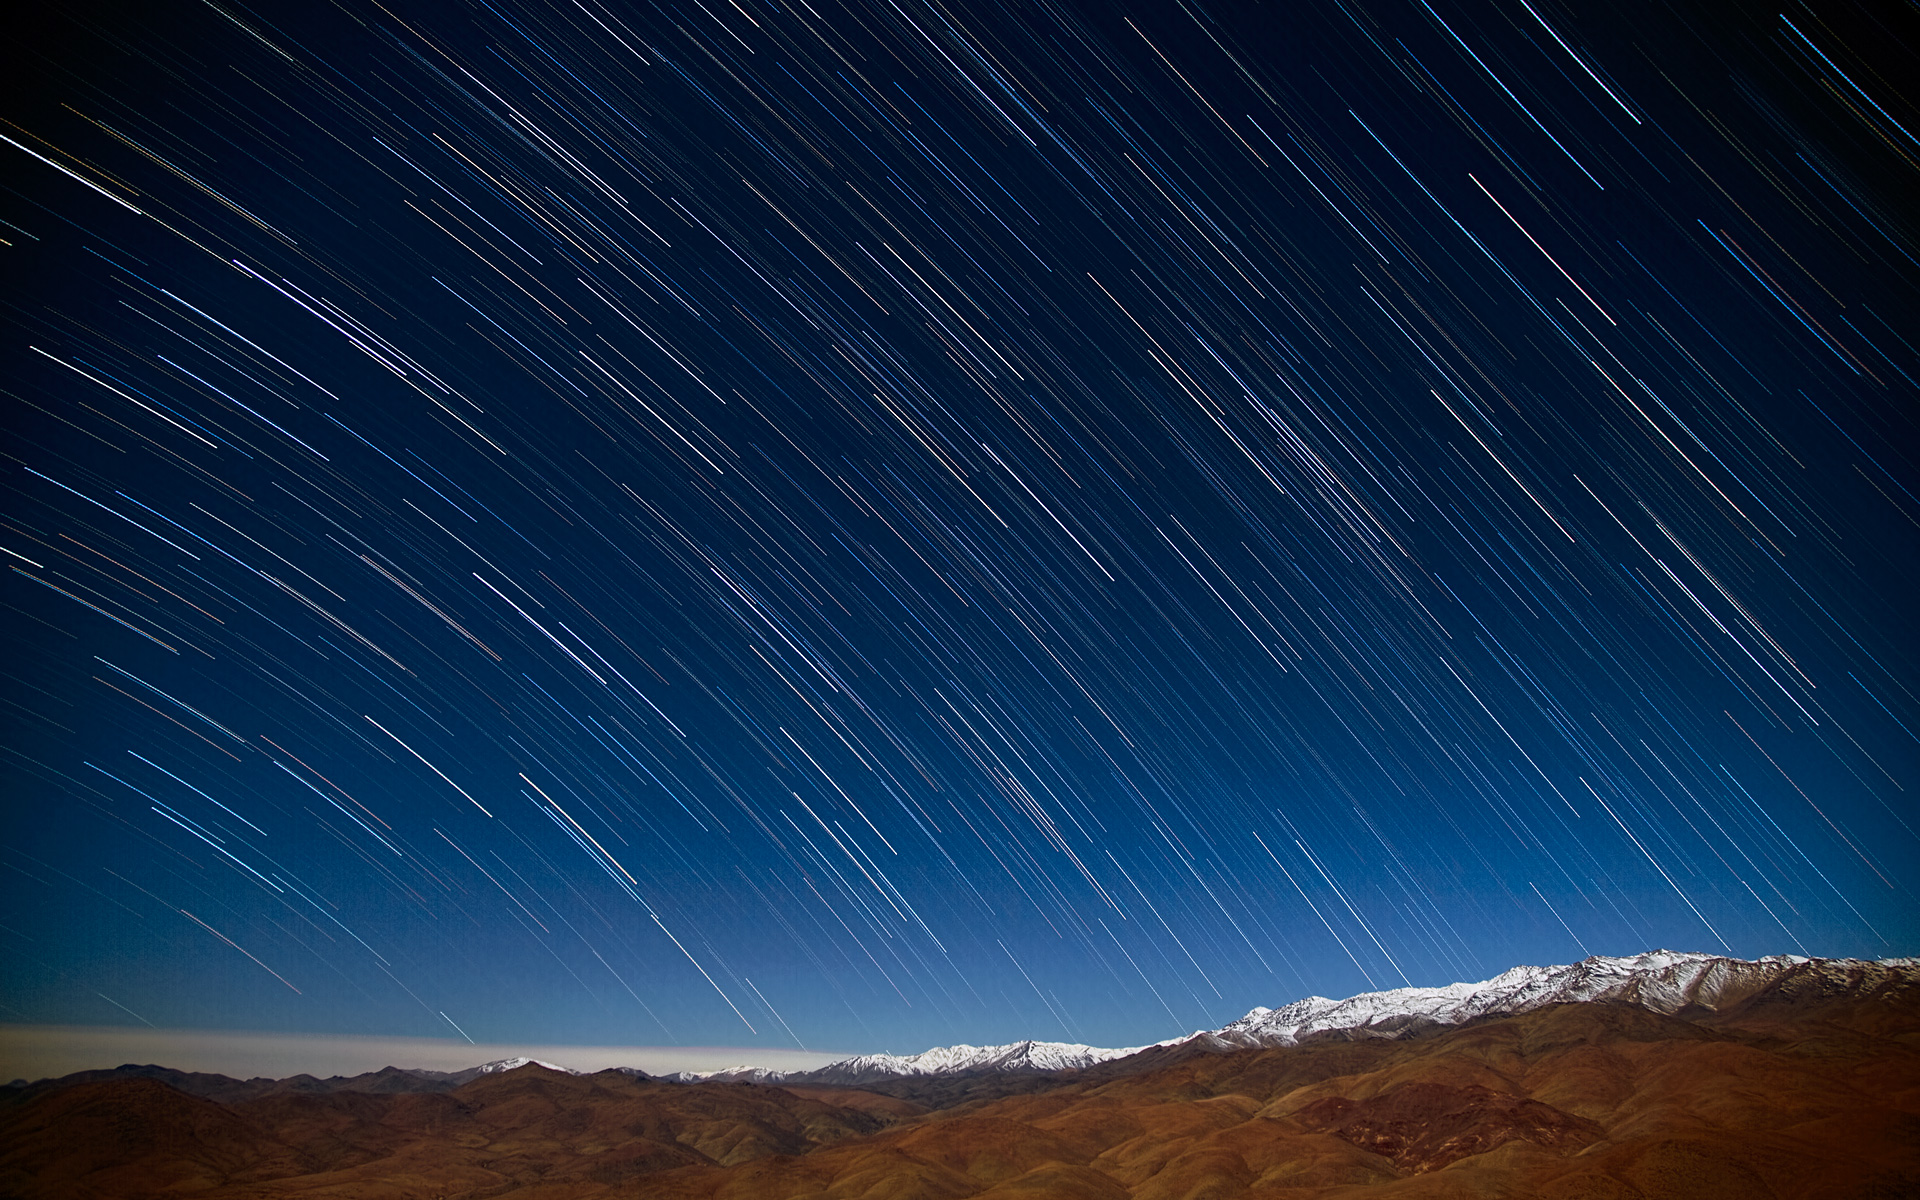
(1783, 1095)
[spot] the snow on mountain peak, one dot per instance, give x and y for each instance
(512, 1064)
(954, 1060)
(1663, 981)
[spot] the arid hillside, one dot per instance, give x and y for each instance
(1783, 1096)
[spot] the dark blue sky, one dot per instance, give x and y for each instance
(872, 525)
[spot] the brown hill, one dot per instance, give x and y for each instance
(558, 1134)
(228, 1090)
(1783, 1095)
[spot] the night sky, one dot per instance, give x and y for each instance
(870, 524)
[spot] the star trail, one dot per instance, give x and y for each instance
(867, 524)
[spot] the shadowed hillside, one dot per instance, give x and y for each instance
(140, 1137)
(1782, 1095)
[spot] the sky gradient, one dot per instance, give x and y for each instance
(876, 524)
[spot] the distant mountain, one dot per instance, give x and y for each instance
(1662, 981)
(1021, 1057)
(1014, 1057)
(509, 1064)
(740, 1074)
(225, 1089)
(1027, 1057)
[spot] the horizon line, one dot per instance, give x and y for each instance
(35, 1051)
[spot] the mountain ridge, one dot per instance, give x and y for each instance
(1662, 981)
(1784, 1080)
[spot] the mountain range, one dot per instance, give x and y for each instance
(1659, 1075)
(1662, 981)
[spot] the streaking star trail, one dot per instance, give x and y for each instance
(884, 523)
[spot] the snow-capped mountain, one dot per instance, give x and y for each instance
(455, 1078)
(955, 1060)
(1662, 981)
(739, 1074)
(1013, 1058)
